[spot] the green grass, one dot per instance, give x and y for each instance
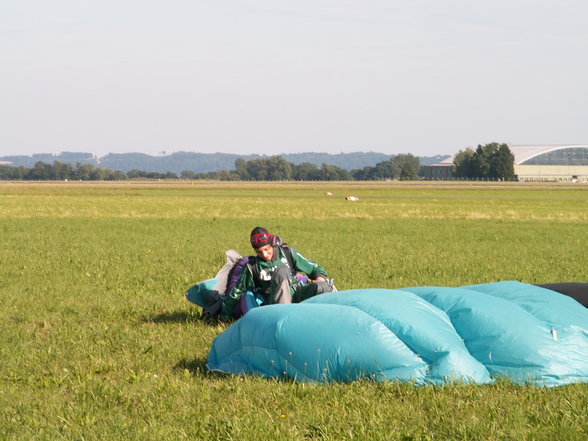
(98, 342)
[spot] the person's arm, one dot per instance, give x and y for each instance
(244, 284)
(312, 269)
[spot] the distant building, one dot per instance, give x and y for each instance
(538, 163)
(565, 163)
(5, 162)
(441, 171)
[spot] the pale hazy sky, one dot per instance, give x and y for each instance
(270, 76)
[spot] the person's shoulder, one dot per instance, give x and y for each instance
(288, 249)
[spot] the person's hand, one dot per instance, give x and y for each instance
(320, 277)
(301, 279)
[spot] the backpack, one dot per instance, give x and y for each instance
(225, 285)
(236, 272)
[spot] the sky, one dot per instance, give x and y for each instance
(426, 77)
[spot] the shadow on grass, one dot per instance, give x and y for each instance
(197, 367)
(192, 316)
(173, 317)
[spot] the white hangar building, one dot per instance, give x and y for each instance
(551, 162)
(539, 163)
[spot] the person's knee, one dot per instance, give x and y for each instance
(280, 288)
(282, 272)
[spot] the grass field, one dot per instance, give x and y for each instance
(97, 341)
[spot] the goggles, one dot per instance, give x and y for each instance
(260, 239)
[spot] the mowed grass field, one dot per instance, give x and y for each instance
(97, 341)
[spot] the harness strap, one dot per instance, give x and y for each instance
(255, 269)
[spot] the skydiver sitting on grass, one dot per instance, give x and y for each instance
(278, 272)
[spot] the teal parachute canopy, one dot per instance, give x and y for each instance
(422, 335)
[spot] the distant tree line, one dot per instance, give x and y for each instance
(491, 161)
(276, 168)
(199, 162)
(59, 171)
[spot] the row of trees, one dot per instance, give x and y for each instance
(59, 171)
(490, 161)
(260, 169)
(404, 167)
(276, 168)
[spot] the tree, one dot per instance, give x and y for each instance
(503, 163)
(40, 172)
(188, 174)
(408, 172)
(13, 173)
(495, 161)
(390, 169)
(333, 173)
(463, 164)
(483, 160)
(257, 169)
(83, 171)
(404, 167)
(361, 174)
(241, 169)
(279, 169)
(306, 172)
(274, 168)
(382, 170)
(135, 173)
(61, 171)
(115, 175)
(490, 161)
(226, 175)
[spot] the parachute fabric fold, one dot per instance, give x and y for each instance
(289, 341)
(404, 314)
(421, 335)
